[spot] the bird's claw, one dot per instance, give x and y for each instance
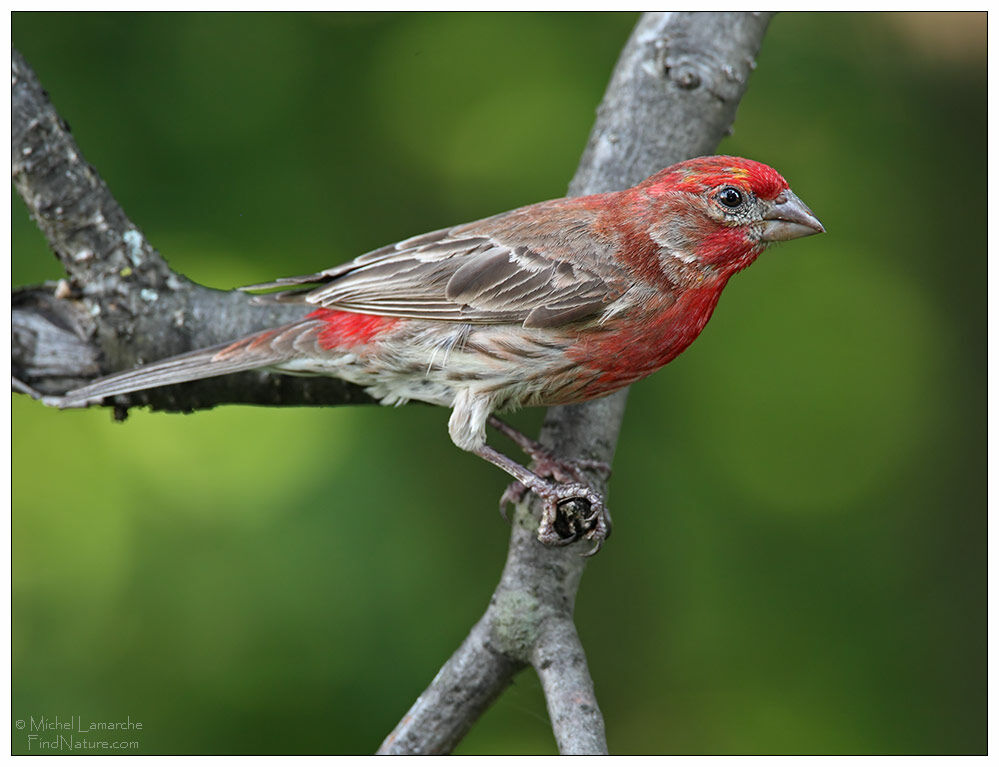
(514, 494)
(572, 512)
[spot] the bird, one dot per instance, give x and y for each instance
(553, 303)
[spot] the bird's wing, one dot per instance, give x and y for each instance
(538, 266)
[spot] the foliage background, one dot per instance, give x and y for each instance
(799, 557)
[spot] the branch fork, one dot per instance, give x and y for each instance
(673, 95)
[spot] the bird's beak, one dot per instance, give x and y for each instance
(787, 218)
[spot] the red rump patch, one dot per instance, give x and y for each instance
(344, 329)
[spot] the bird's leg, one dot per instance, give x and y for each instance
(546, 464)
(555, 528)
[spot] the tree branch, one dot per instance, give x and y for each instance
(673, 95)
(122, 304)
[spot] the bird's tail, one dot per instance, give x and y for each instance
(270, 347)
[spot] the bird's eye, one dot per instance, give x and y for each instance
(730, 197)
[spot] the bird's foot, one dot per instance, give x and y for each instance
(568, 470)
(564, 471)
(571, 511)
(571, 508)
(515, 493)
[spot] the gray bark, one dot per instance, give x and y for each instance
(121, 304)
(673, 95)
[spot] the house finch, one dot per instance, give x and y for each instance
(553, 303)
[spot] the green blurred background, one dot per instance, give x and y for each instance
(799, 558)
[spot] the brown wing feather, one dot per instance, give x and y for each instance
(498, 270)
